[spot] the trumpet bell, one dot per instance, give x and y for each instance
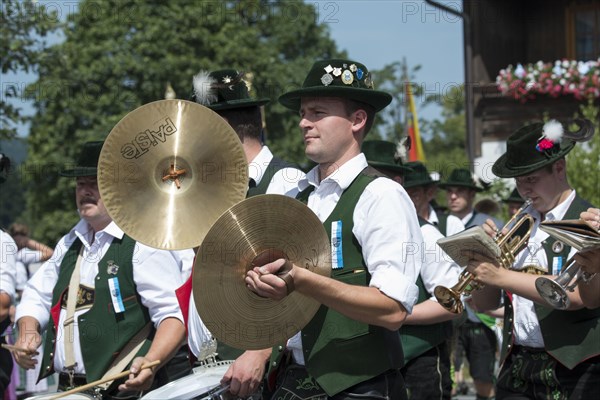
(449, 299)
(553, 293)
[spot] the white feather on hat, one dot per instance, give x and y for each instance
(402, 149)
(553, 131)
(204, 88)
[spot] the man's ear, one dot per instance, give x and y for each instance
(358, 119)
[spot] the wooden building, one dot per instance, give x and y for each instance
(501, 33)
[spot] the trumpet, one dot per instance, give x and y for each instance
(554, 291)
(510, 244)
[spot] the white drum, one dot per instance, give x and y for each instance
(202, 380)
(74, 396)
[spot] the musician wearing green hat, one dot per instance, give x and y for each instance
(227, 92)
(106, 302)
(547, 353)
(351, 347)
(426, 330)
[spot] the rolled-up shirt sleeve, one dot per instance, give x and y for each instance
(386, 227)
(36, 300)
(157, 275)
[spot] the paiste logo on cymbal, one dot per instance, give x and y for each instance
(147, 139)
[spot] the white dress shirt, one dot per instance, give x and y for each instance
(453, 223)
(8, 264)
(385, 225)
(526, 324)
(156, 274)
(284, 181)
(437, 267)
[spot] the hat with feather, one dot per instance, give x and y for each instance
(537, 145)
(385, 155)
(223, 89)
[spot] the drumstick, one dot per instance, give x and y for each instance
(101, 381)
(10, 347)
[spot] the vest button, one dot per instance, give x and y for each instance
(274, 363)
(48, 368)
(51, 354)
(280, 348)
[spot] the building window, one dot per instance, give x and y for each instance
(583, 30)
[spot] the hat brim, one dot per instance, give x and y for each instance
(375, 98)
(502, 169)
(411, 184)
(79, 171)
(446, 185)
(227, 105)
(390, 167)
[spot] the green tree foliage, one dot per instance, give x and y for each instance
(120, 54)
(445, 149)
(23, 25)
(584, 159)
(390, 123)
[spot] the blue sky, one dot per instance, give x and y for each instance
(378, 33)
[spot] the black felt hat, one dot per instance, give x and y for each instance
(419, 176)
(338, 78)
(223, 90)
(382, 154)
(87, 162)
(537, 145)
(463, 178)
(514, 197)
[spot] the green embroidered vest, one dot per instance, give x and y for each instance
(340, 352)
(417, 339)
(102, 333)
(569, 336)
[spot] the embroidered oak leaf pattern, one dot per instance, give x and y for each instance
(307, 384)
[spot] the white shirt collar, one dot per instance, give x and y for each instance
(84, 231)
(558, 212)
(467, 218)
(433, 218)
(343, 176)
(258, 166)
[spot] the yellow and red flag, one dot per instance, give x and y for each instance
(416, 152)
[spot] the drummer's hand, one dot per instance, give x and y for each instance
(246, 373)
(30, 341)
(139, 379)
(265, 282)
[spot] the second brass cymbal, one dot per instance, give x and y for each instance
(265, 226)
(168, 170)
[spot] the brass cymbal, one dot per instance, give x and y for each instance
(266, 227)
(168, 170)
